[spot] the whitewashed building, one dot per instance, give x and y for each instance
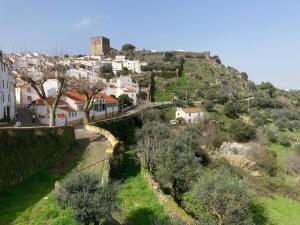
(7, 91)
(190, 115)
(70, 108)
(25, 93)
(123, 85)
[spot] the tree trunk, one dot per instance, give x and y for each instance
(86, 117)
(52, 117)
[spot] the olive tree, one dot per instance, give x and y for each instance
(151, 138)
(91, 201)
(225, 196)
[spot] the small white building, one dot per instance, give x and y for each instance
(25, 93)
(123, 85)
(70, 108)
(7, 92)
(190, 115)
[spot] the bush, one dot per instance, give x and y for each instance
(241, 131)
(154, 115)
(293, 163)
(92, 202)
(272, 133)
(209, 106)
(226, 197)
(262, 157)
(284, 141)
(282, 123)
(231, 110)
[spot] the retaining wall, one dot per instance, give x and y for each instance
(25, 151)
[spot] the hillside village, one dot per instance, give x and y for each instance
(145, 137)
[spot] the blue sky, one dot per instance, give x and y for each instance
(260, 37)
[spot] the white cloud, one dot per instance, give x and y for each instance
(84, 23)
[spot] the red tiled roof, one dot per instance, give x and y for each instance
(79, 98)
(130, 90)
(191, 110)
(107, 98)
(50, 100)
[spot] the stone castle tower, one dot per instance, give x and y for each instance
(100, 46)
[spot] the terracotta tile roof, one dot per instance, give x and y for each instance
(129, 90)
(107, 98)
(191, 110)
(77, 97)
(50, 100)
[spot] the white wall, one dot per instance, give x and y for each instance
(7, 92)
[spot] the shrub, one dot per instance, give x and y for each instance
(262, 157)
(272, 133)
(209, 106)
(297, 149)
(92, 202)
(154, 115)
(293, 163)
(225, 196)
(128, 47)
(231, 110)
(241, 131)
(282, 123)
(285, 141)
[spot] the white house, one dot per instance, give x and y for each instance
(70, 108)
(190, 115)
(7, 92)
(25, 93)
(123, 85)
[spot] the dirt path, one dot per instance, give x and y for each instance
(93, 155)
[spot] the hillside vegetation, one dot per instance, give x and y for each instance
(251, 130)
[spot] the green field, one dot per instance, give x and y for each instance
(138, 204)
(280, 211)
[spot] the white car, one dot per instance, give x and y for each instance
(174, 122)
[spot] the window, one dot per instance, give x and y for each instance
(178, 114)
(3, 83)
(29, 98)
(8, 97)
(70, 114)
(7, 84)
(29, 90)
(190, 114)
(3, 98)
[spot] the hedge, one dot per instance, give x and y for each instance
(25, 151)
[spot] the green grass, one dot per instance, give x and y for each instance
(170, 113)
(138, 204)
(280, 211)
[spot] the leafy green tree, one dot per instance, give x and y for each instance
(92, 202)
(208, 105)
(151, 137)
(154, 115)
(241, 131)
(142, 95)
(225, 196)
(179, 162)
(128, 47)
(125, 101)
(232, 109)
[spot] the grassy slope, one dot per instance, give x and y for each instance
(32, 201)
(281, 211)
(138, 204)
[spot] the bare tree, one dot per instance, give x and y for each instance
(89, 90)
(37, 76)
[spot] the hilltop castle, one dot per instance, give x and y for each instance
(100, 46)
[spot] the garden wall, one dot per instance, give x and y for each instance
(25, 151)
